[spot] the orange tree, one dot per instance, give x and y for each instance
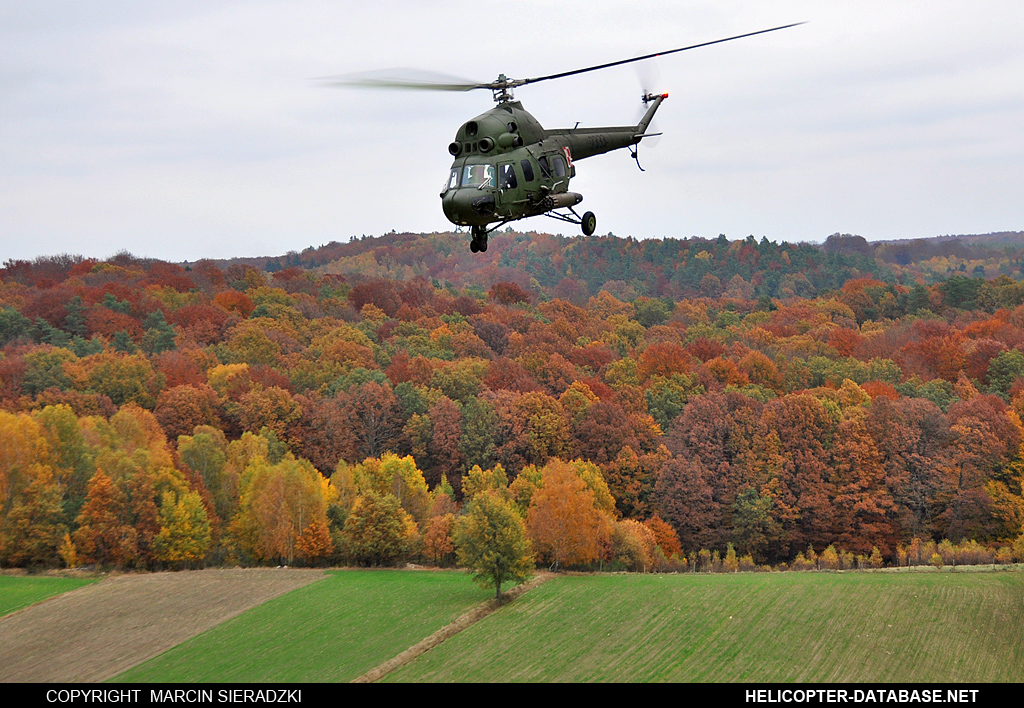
(563, 520)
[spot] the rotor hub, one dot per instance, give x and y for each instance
(501, 88)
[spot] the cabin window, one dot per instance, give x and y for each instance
(478, 175)
(508, 177)
(527, 170)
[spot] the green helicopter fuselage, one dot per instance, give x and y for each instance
(508, 167)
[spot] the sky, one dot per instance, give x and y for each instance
(191, 130)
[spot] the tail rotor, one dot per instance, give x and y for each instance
(650, 81)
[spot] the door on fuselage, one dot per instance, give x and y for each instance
(509, 190)
(553, 171)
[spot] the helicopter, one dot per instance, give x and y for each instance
(508, 167)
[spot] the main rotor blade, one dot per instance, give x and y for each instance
(403, 79)
(651, 56)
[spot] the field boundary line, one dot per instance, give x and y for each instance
(450, 630)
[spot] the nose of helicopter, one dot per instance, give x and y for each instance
(467, 206)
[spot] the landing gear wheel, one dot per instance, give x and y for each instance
(479, 242)
(589, 223)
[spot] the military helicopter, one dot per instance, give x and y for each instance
(508, 167)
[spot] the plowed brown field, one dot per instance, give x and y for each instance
(99, 631)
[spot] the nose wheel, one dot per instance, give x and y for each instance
(478, 243)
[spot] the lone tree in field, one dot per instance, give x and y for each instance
(491, 540)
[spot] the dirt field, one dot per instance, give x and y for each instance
(99, 631)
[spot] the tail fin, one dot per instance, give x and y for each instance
(655, 101)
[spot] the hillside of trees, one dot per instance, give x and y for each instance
(575, 268)
(633, 403)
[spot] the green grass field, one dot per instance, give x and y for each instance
(20, 591)
(912, 627)
(332, 630)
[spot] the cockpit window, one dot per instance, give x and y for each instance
(559, 165)
(478, 175)
(453, 180)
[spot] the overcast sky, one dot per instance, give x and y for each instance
(183, 130)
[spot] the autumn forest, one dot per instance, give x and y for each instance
(665, 404)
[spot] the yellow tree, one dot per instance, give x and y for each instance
(278, 503)
(524, 486)
(32, 528)
(633, 544)
(594, 479)
(542, 427)
(132, 451)
(479, 480)
(31, 523)
(184, 537)
(123, 378)
(398, 476)
(21, 445)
